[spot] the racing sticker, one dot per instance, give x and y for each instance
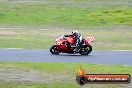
(83, 78)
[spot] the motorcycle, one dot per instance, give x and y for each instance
(66, 45)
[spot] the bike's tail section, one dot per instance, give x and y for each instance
(89, 40)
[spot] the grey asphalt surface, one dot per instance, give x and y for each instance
(96, 57)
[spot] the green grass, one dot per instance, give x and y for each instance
(57, 14)
(70, 67)
(113, 17)
(108, 39)
(63, 69)
(30, 85)
(93, 17)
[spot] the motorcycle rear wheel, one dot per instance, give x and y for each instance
(86, 50)
(54, 50)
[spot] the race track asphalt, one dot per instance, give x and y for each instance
(119, 57)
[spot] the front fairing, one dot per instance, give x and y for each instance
(61, 44)
(59, 41)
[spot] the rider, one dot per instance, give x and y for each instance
(79, 39)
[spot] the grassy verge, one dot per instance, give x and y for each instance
(85, 14)
(106, 38)
(68, 15)
(63, 74)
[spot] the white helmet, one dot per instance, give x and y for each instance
(74, 32)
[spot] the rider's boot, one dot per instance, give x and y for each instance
(76, 50)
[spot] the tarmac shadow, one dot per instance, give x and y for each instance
(72, 55)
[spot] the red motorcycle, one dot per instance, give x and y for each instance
(66, 45)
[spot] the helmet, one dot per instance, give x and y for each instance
(74, 32)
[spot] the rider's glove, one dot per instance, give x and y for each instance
(62, 37)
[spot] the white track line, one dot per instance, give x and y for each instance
(120, 50)
(10, 48)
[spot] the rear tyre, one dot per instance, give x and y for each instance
(54, 50)
(86, 50)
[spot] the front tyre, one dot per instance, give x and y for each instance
(86, 50)
(54, 50)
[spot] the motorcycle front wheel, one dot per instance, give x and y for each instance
(54, 50)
